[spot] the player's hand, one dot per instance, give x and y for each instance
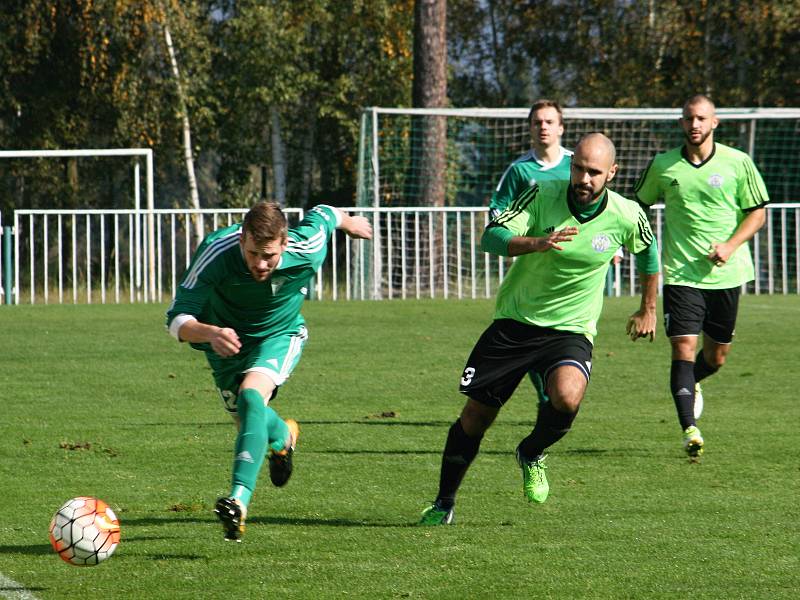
(555, 239)
(357, 227)
(642, 324)
(720, 253)
(225, 342)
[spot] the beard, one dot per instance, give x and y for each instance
(703, 138)
(584, 194)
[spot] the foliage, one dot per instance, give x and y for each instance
(94, 74)
(614, 53)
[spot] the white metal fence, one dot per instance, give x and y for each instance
(115, 256)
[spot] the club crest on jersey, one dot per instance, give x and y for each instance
(550, 229)
(715, 181)
(277, 284)
(601, 243)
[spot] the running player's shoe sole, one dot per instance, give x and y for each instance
(280, 463)
(698, 401)
(232, 515)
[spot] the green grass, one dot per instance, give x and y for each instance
(627, 516)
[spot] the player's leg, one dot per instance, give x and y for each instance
(262, 369)
(493, 371)
(684, 313)
(565, 365)
(718, 332)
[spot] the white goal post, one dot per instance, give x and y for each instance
(140, 236)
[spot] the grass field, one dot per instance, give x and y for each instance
(99, 400)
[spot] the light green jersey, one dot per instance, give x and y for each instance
(563, 289)
(523, 173)
(218, 288)
(704, 204)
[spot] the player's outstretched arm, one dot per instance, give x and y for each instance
(500, 241)
(355, 226)
(642, 323)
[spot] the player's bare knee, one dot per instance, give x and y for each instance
(568, 402)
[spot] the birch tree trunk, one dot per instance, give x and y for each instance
(187, 136)
(278, 157)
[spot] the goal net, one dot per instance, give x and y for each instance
(475, 146)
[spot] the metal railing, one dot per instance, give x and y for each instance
(115, 256)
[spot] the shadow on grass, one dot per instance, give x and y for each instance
(34, 549)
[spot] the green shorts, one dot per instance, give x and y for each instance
(276, 357)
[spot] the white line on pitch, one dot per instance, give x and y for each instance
(14, 591)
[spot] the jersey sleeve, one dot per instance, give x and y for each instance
(519, 216)
(646, 187)
(198, 281)
(309, 239)
(505, 192)
(641, 235)
(751, 190)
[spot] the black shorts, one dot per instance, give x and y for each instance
(508, 349)
(688, 311)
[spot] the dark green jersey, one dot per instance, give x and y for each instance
(704, 204)
(523, 173)
(563, 289)
(218, 288)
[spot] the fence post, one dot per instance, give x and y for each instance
(7, 271)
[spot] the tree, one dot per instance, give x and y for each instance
(430, 91)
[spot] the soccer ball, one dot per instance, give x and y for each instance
(84, 531)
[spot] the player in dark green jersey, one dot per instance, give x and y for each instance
(564, 234)
(547, 158)
(239, 302)
(714, 200)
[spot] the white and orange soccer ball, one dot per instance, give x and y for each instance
(84, 531)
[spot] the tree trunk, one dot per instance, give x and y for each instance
(429, 133)
(187, 136)
(308, 158)
(278, 157)
(429, 90)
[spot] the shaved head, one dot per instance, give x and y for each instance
(699, 99)
(596, 142)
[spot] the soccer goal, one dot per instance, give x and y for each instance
(474, 147)
(39, 237)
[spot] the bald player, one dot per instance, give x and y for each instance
(564, 234)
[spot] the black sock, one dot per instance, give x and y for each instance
(551, 426)
(459, 452)
(701, 368)
(681, 384)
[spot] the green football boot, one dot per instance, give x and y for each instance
(693, 443)
(435, 515)
(534, 480)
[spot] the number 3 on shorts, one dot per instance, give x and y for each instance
(469, 373)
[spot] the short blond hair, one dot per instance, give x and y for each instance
(265, 223)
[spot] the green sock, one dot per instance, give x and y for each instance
(251, 443)
(260, 426)
(277, 430)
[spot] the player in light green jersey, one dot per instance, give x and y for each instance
(239, 302)
(563, 234)
(547, 158)
(714, 200)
